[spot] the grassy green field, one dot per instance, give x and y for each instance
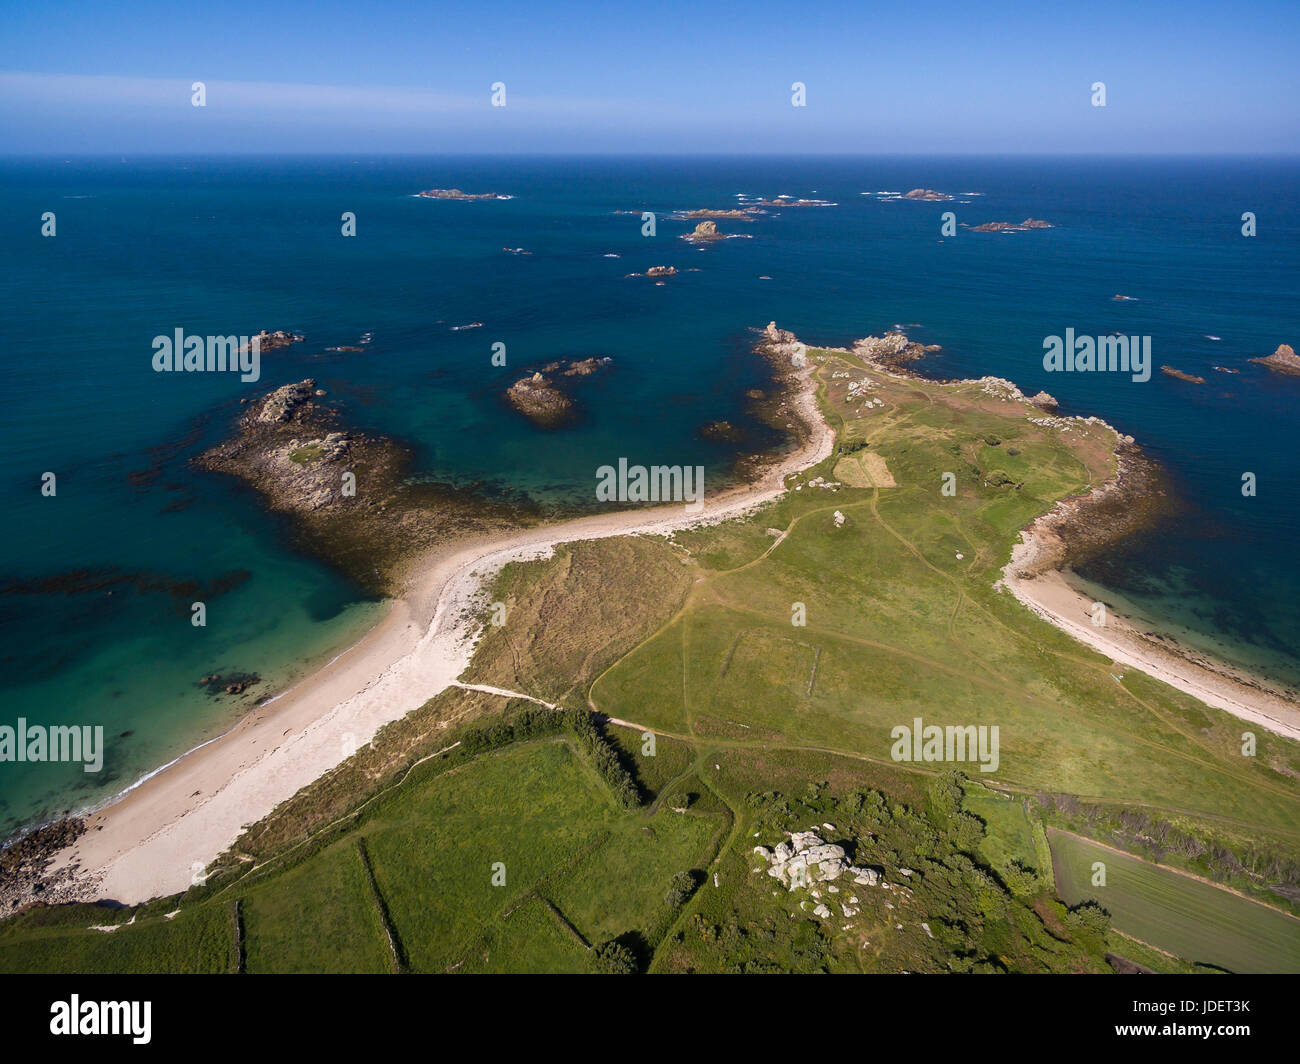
(1176, 913)
(68, 940)
(903, 620)
(762, 725)
(577, 870)
(1010, 831)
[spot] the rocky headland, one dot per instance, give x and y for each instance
(778, 407)
(893, 350)
(346, 493)
(1078, 528)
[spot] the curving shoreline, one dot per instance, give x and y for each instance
(146, 843)
(1047, 592)
(150, 840)
(1038, 571)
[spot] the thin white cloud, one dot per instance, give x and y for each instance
(76, 93)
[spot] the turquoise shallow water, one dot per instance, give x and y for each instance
(95, 584)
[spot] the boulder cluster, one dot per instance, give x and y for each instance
(806, 858)
(892, 349)
(283, 403)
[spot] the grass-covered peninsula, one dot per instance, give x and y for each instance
(611, 785)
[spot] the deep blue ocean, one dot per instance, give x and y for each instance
(96, 582)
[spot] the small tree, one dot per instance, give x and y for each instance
(683, 886)
(1020, 879)
(1089, 918)
(613, 958)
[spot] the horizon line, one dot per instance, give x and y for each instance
(641, 154)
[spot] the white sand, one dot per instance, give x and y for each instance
(1051, 597)
(150, 841)
(147, 843)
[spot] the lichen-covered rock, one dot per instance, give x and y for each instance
(806, 859)
(864, 877)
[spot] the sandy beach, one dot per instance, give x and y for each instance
(1050, 595)
(1037, 574)
(156, 837)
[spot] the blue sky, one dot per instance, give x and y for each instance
(402, 76)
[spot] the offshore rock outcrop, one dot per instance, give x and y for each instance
(705, 232)
(457, 194)
(269, 341)
(538, 399)
(1283, 360)
(789, 201)
(657, 272)
(720, 432)
(734, 214)
(541, 400)
(1011, 227)
(1179, 375)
